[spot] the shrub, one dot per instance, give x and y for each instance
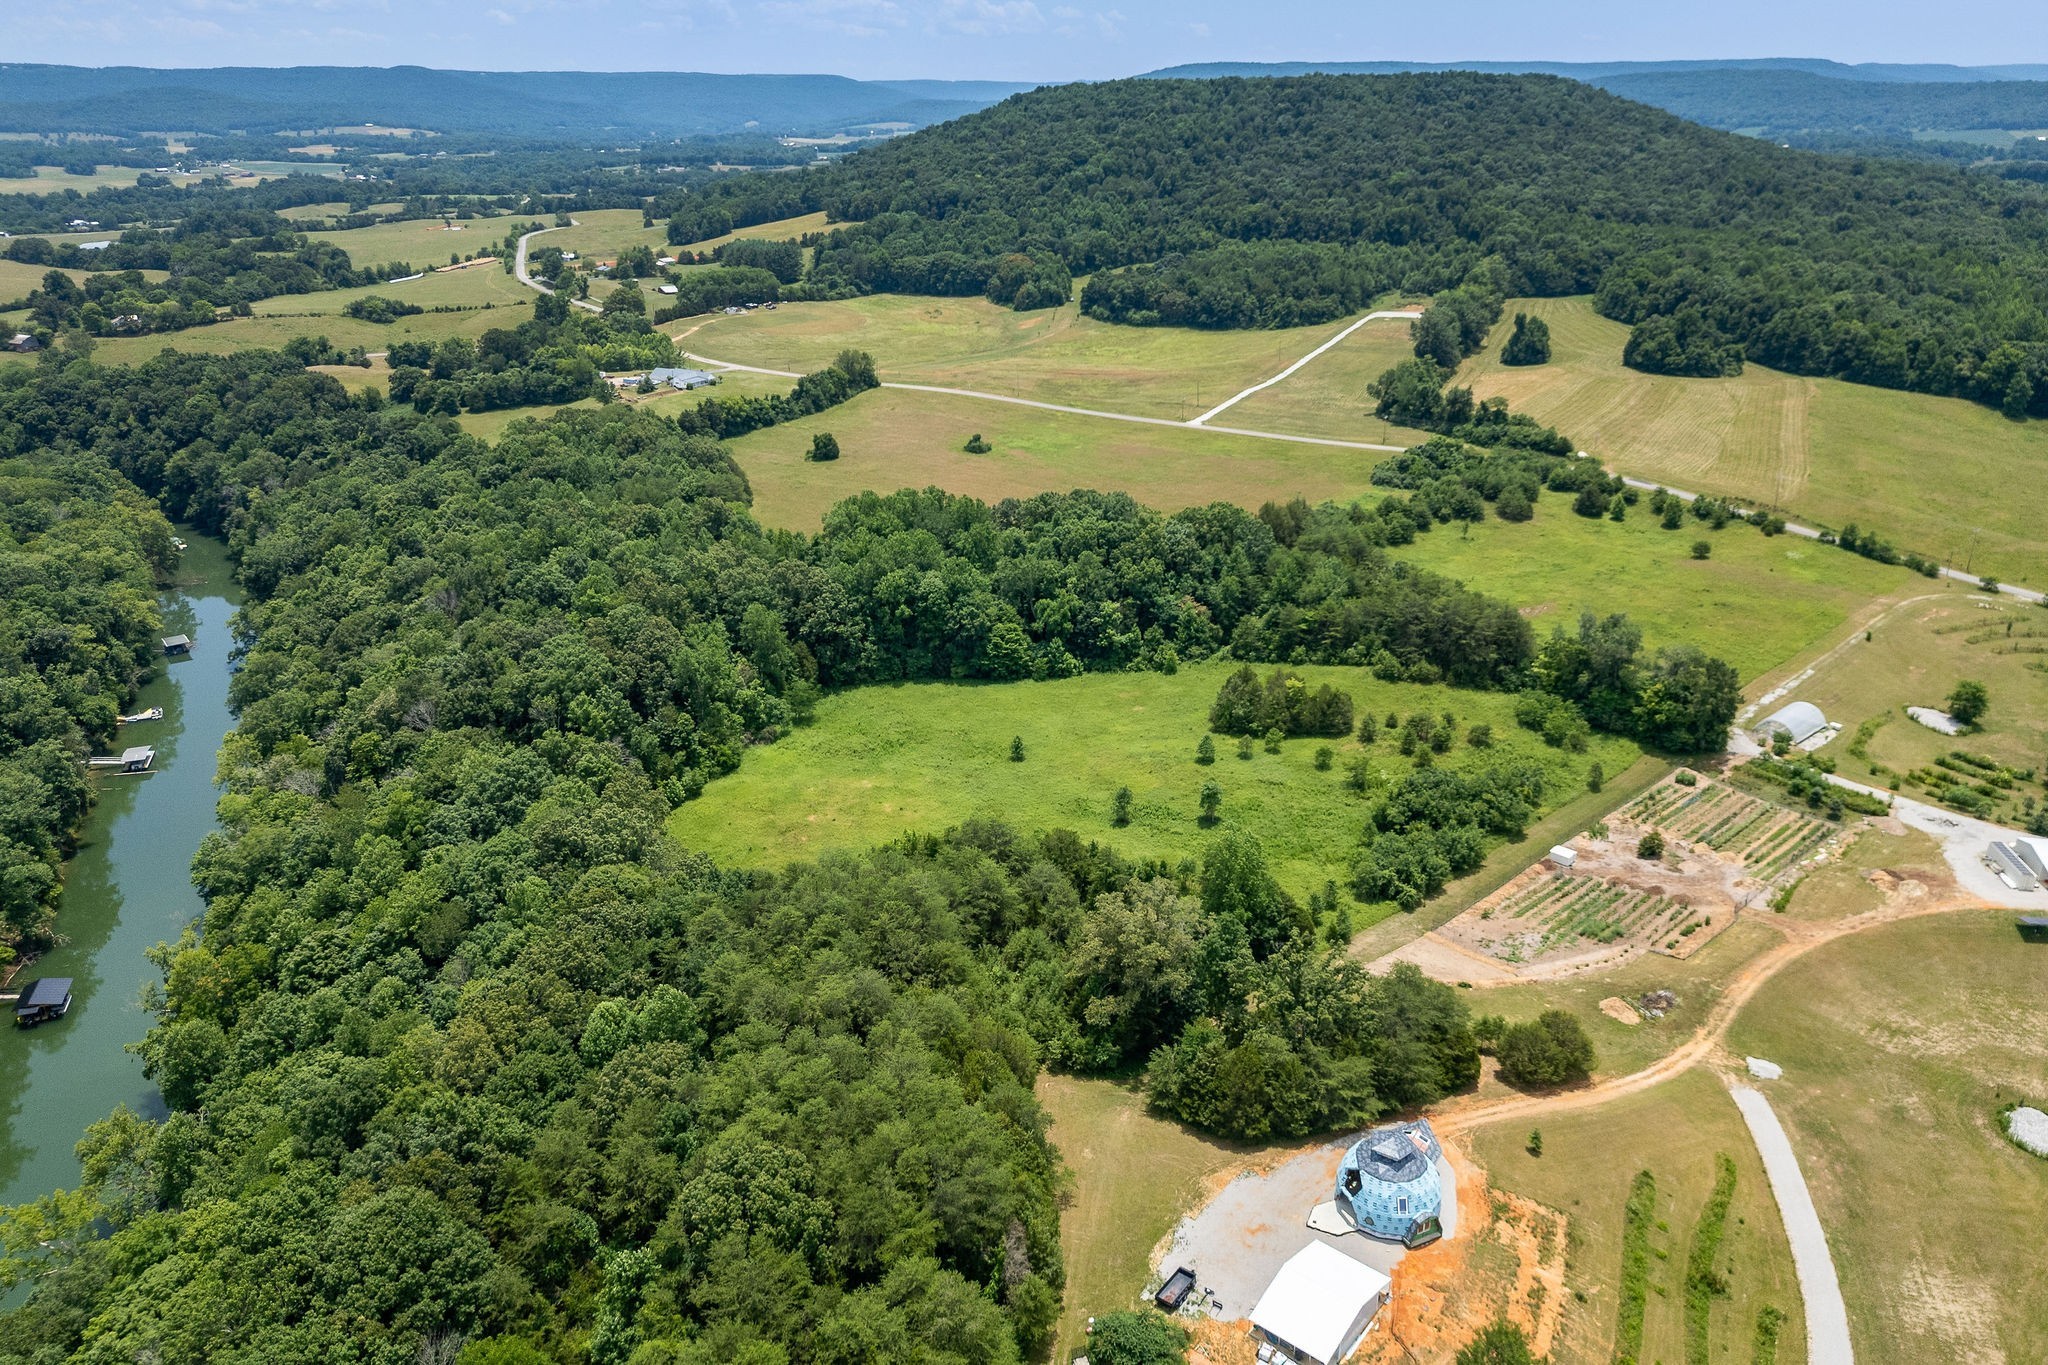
(1016, 748)
(1140, 1337)
(1530, 344)
(1500, 1342)
(1702, 549)
(976, 446)
(824, 446)
(1244, 746)
(1968, 702)
(1212, 803)
(1120, 807)
(1551, 1050)
(1205, 752)
(1325, 756)
(1651, 846)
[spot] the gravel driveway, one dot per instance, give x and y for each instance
(1827, 1318)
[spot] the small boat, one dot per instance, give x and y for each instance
(153, 713)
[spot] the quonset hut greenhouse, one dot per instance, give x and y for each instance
(1389, 1185)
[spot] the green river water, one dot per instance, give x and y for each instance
(128, 888)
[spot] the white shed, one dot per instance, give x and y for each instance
(1564, 856)
(1798, 721)
(1320, 1304)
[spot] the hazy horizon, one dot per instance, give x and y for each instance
(1006, 40)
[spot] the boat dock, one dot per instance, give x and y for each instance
(135, 760)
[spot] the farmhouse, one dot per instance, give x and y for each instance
(1388, 1184)
(1798, 721)
(1318, 1306)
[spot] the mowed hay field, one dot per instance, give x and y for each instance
(881, 761)
(1052, 355)
(1757, 602)
(485, 294)
(895, 438)
(1674, 1131)
(781, 230)
(1928, 474)
(601, 234)
(1134, 1175)
(424, 242)
(1327, 396)
(1915, 654)
(1900, 1044)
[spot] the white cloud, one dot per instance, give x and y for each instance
(501, 17)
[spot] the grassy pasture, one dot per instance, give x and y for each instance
(18, 278)
(278, 320)
(1757, 602)
(425, 242)
(1051, 355)
(1930, 474)
(897, 439)
(781, 230)
(1673, 1131)
(1919, 651)
(1134, 1174)
(601, 234)
(1327, 396)
(880, 761)
(491, 425)
(1899, 1045)
(55, 179)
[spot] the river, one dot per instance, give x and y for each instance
(128, 888)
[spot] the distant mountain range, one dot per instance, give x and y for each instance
(1789, 94)
(538, 104)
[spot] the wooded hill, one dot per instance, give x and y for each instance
(1243, 203)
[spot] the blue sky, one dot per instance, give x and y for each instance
(996, 39)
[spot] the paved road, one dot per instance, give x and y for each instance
(519, 268)
(1201, 423)
(1239, 397)
(1827, 1317)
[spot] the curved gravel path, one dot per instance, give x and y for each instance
(1827, 1317)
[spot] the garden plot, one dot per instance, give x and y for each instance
(1771, 843)
(1724, 850)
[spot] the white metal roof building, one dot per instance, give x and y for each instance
(1319, 1305)
(683, 379)
(1798, 721)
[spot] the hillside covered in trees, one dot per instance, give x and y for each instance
(467, 1056)
(1253, 203)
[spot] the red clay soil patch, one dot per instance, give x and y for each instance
(1443, 1294)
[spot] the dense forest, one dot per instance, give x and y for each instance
(1235, 203)
(81, 553)
(466, 1051)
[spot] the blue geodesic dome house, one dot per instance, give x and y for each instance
(1389, 1185)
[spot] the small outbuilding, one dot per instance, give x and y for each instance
(1563, 857)
(2011, 868)
(177, 644)
(1319, 1305)
(1798, 721)
(43, 1000)
(137, 759)
(24, 341)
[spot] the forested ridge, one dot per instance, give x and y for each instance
(467, 1059)
(1238, 203)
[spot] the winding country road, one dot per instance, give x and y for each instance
(1201, 423)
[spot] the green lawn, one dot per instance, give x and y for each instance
(1913, 657)
(1930, 474)
(1134, 1175)
(894, 439)
(1674, 1131)
(1052, 355)
(1757, 602)
(1900, 1044)
(880, 761)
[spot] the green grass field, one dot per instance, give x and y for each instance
(1915, 655)
(879, 761)
(1134, 1175)
(1673, 1131)
(896, 439)
(1052, 355)
(1757, 602)
(1327, 396)
(781, 230)
(491, 425)
(601, 234)
(1899, 1045)
(278, 320)
(18, 278)
(1929, 474)
(55, 180)
(424, 242)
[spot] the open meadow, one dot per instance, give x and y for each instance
(881, 761)
(1900, 1045)
(491, 425)
(1052, 355)
(1757, 601)
(1928, 474)
(423, 242)
(1913, 656)
(485, 296)
(781, 230)
(601, 234)
(1674, 1131)
(896, 438)
(1134, 1174)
